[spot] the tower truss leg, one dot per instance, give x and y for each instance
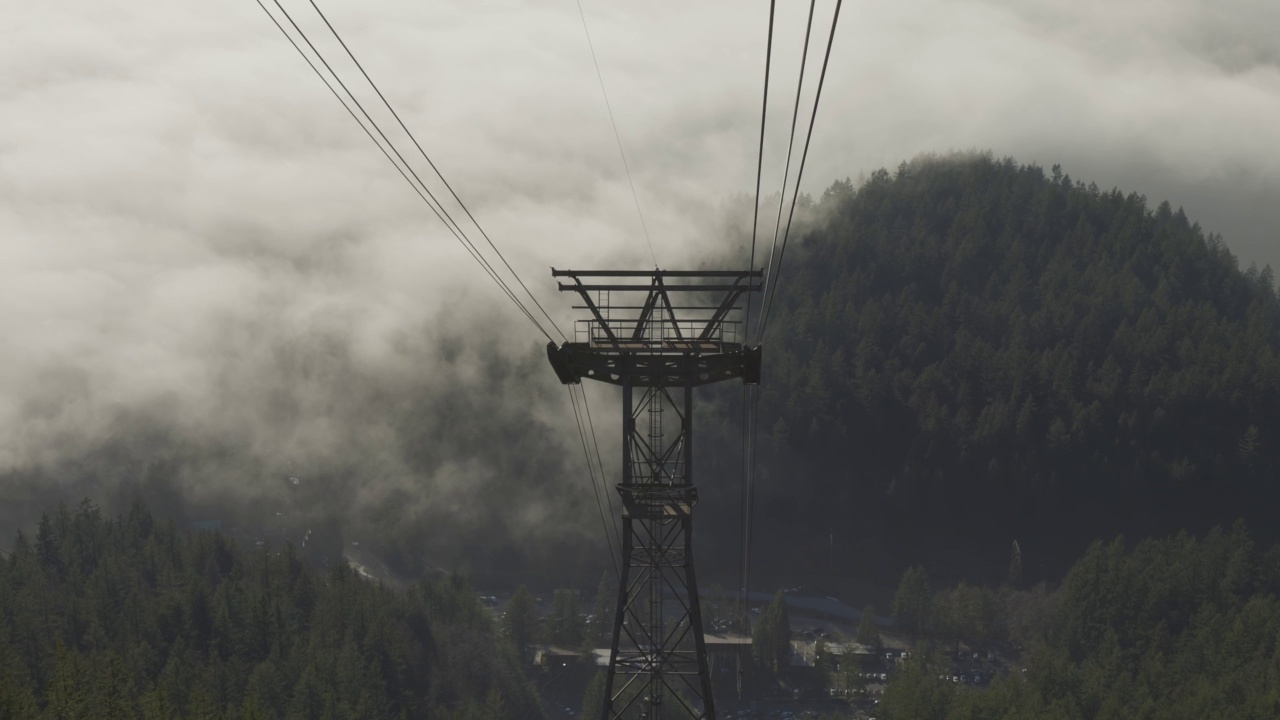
(657, 658)
(647, 342)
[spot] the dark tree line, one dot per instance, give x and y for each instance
(964, 613)
(1169, 629)
(130, 618)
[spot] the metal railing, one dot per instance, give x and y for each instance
(659, 335)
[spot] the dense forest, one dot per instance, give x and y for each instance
(130, 618)
(972, 349)
(1169, 629)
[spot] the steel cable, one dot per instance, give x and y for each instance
(786, 170)
(744, 571)
(439, 211)
(449, 187)
(600, 464)
(595, 489)
(608, 106)
(768, 301)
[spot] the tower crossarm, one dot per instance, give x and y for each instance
(657, 341)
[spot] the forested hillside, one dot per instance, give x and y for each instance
(970, 348)
(129, 618)
(1169, 629)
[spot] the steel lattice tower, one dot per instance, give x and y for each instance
(658, 352)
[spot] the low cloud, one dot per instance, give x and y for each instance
(202, 251)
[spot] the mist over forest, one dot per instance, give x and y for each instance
(411, 462)
(968, 352)
(216, 284)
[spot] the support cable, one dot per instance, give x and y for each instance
(786, 171)
(439, 212)
(449, 187)
(613, 516)
(595, 489)
(746, 325)
(768, 301)
(749, 521)
(744, 570)
(764, 113)
(771, 281)
(616, 135)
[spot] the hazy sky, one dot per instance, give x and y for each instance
(186, 211)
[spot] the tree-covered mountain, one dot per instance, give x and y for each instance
(130, 618)
(972, 348)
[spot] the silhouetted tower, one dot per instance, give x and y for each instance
(658, 352)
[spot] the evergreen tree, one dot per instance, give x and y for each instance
(566, 622)
(601, 630)
(868, 631)
(593, 698)
(912, 600)
(918, 692)
(771, 636)
(518, 622)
